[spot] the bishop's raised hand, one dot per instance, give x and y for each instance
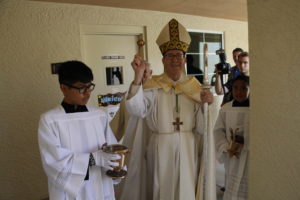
(139, 66)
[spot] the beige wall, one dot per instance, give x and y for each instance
(35, 34)
(274, 33)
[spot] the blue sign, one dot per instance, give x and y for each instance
(110, 99)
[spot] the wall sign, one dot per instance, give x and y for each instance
(110, 99)
(55, 67)
(112, 57)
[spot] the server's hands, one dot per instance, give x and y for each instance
(106, 160)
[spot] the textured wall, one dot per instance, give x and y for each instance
(35, 34)
(274, 38)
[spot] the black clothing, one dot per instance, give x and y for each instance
(245, 103)
(69, 108)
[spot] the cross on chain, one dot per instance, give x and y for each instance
(177, 124)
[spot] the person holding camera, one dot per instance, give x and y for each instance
(234, 71)
(241, 68)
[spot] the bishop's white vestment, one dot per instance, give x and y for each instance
(236, 169)
(164, 163)
(66, 141)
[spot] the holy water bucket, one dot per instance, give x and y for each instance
(117, 172)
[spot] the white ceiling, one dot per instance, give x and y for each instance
(226, 9)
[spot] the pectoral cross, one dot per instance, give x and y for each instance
(177, 123)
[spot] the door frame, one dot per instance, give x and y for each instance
(139, 31)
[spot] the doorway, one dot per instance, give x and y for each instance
(108, 50)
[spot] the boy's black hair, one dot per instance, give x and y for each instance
(74, 71)
(242, 78)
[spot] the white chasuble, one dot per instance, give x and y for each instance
(233, 119)
(164, 163)
(65, 141)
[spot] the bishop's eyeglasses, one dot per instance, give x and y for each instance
(83, 89)
(171, 56)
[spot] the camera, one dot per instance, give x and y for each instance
(222, 67)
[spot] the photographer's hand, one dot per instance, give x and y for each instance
(217, 71)
(218, 83)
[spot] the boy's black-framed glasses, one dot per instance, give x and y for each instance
(83, 89)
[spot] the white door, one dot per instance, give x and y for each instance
(109, 56)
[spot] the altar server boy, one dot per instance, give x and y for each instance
(70, 138)
(232, 140)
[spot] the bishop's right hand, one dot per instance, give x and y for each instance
(106, 160)
(139, 66)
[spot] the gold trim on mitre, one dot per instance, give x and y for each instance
(173, 36)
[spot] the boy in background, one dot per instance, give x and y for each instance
(232, 139)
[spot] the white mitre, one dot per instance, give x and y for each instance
(173, 36)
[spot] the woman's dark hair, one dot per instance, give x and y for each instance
(74, 71)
